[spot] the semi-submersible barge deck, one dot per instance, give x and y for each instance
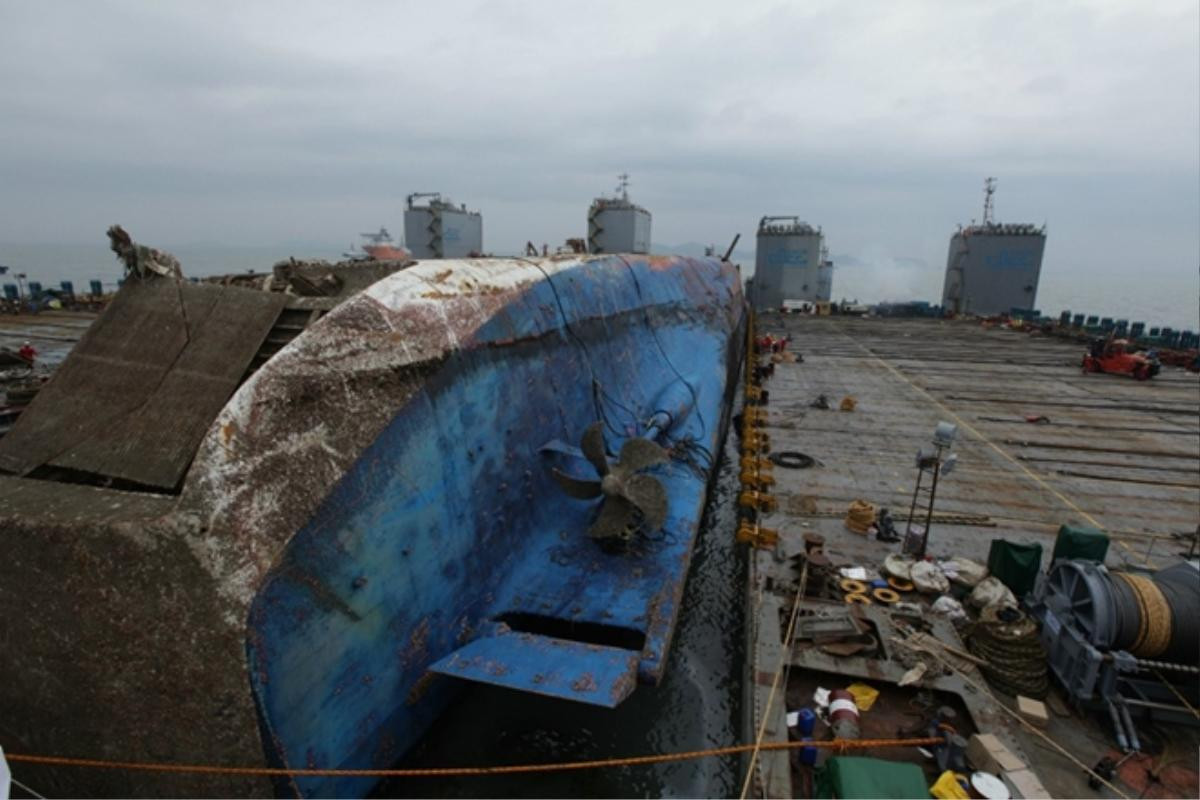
(1102, 450)
(1112, 452)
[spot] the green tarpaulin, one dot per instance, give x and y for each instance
(857, 777)
(1080, 541)
(1016, 565)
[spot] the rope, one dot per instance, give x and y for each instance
(859, 516)
(1015, 661)
(784, 663)
(1154, 624)
(28, 791)
(1027, 724)
(839, 745)
(1175, 691)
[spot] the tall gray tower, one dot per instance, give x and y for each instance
(789, 263)
(993, 268)
(615, 225)
(440, 229)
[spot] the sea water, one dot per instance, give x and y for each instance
(1152, 298)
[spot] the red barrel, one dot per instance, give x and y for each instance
(843, 714)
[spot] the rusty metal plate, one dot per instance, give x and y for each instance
(585, 673)
(142, 387)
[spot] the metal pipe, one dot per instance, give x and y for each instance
(1122, 742)
(1129, 726)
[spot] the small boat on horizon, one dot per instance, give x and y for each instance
(378, 246)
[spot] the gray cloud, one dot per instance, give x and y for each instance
(265, 122)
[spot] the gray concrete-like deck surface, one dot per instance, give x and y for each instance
(1116, 454)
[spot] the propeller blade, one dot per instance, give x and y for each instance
(647, 493)
(637, 454)
(617, 519)
(584, 490)
(592, 446)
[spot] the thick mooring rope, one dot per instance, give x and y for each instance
(1154, 614)
(839, 745)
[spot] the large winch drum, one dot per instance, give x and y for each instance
(1151, 616)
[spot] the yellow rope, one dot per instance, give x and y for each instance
(783, 661)
(443, 772)
(859, 516)
(1154, 629)
(1175, 691)
(982, 689)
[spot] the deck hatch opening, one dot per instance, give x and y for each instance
(575, 630)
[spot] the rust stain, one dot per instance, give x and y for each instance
(325, 597)
(420, 687)
(418, 642)
(625, 684)
(584, 683)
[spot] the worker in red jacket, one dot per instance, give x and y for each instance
(27, 352)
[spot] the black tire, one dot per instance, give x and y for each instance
(791, 459)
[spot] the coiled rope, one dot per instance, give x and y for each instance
(859, 516)
(1154, 616)
(1013, 652)
(839, 745)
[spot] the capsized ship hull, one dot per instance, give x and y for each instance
(371, 518)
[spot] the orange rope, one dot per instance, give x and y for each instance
(840, 745)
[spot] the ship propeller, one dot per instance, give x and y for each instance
(631, 500)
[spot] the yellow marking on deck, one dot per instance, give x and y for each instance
(983, 438)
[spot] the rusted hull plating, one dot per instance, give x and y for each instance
(377, 499)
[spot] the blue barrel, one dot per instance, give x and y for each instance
(97, 288)
(1154, 333)
(1136, 330)
(1077, 321)
(1093, 321)
(1106, 324)
(35, 288)
(808, 720)
(68, 288)
(1187, 340)
(11, 292)
(1121, 328)
(1064, 318)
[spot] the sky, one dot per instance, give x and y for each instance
(263, 123)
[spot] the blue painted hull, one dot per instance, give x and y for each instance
(449, 529)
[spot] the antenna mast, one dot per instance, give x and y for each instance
(623, 186)
(989, 189)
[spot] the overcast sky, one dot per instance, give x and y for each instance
(262, 123)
